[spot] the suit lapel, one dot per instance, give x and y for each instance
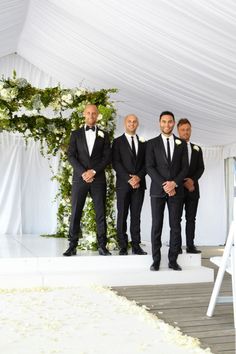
(139, 149)
(95, 141)
(175, 148)
(127, 145)
(193, 155)
(84, 141)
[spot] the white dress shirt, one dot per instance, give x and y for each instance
(90, 138)
(172, 144)
(128, 136)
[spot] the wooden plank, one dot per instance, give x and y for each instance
(185, 306)
(215, 340)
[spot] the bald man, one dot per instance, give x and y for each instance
(128, 160)
(89, 153)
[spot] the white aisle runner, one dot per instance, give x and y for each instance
(84, 320)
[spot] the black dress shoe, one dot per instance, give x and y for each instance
(138, 250)
(174, 266)
(70, 252)
(123, 252)
(155, 266)
(192, 249)
(103, 251)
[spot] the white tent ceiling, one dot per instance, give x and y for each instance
(178, 55)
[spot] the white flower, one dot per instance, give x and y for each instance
(63, 202)
(195, 147)
(8, 94)
(99, 117)
(80, 92)
(21, 82)
(4, 93)
(1, 85)
(89, 238)
(67, 98)
(36, 102)
(178, 142)
(111, 246)
(56, 105)
(100, 133)
(66, 219)
(141, 139)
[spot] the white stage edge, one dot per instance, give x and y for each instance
(33, 261)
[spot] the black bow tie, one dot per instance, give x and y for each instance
(88, 128)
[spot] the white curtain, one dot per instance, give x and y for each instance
(26, 189)
(162, 54)
(229, 189)
(211, 226)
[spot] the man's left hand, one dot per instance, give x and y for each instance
(88, 176)
(134, 181)
(169, 186)
(189, 184)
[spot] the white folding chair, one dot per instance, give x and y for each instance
(225, 263)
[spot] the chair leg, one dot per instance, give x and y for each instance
(221, 271)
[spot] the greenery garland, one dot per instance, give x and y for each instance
(21, 107)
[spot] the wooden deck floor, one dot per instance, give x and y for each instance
(185, 306)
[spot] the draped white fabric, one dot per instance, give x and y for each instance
(160, 54)
(211, 225)
(12, 16)
(229, 151)
(26, 191)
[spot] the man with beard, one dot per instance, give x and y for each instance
(167, 165)
(191, 186)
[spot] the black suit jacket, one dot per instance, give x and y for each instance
(160, 171)
(196, 169)
(78, 155)
(125, 164)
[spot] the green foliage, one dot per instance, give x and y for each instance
(21, 110)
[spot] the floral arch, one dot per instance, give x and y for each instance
(21, 110)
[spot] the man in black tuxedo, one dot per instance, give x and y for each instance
(89, 153)
(191, 186)
(167, 165)
(128, 159)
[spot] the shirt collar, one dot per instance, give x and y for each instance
(129, 136)
(165, 137)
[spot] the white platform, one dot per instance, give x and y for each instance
(33, 261)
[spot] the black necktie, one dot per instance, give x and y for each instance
(88, 128)
(168, 150)
(133, 146)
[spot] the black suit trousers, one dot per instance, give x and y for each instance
(129, 199)
(80, 191)
(190, 204)
(174, 207)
